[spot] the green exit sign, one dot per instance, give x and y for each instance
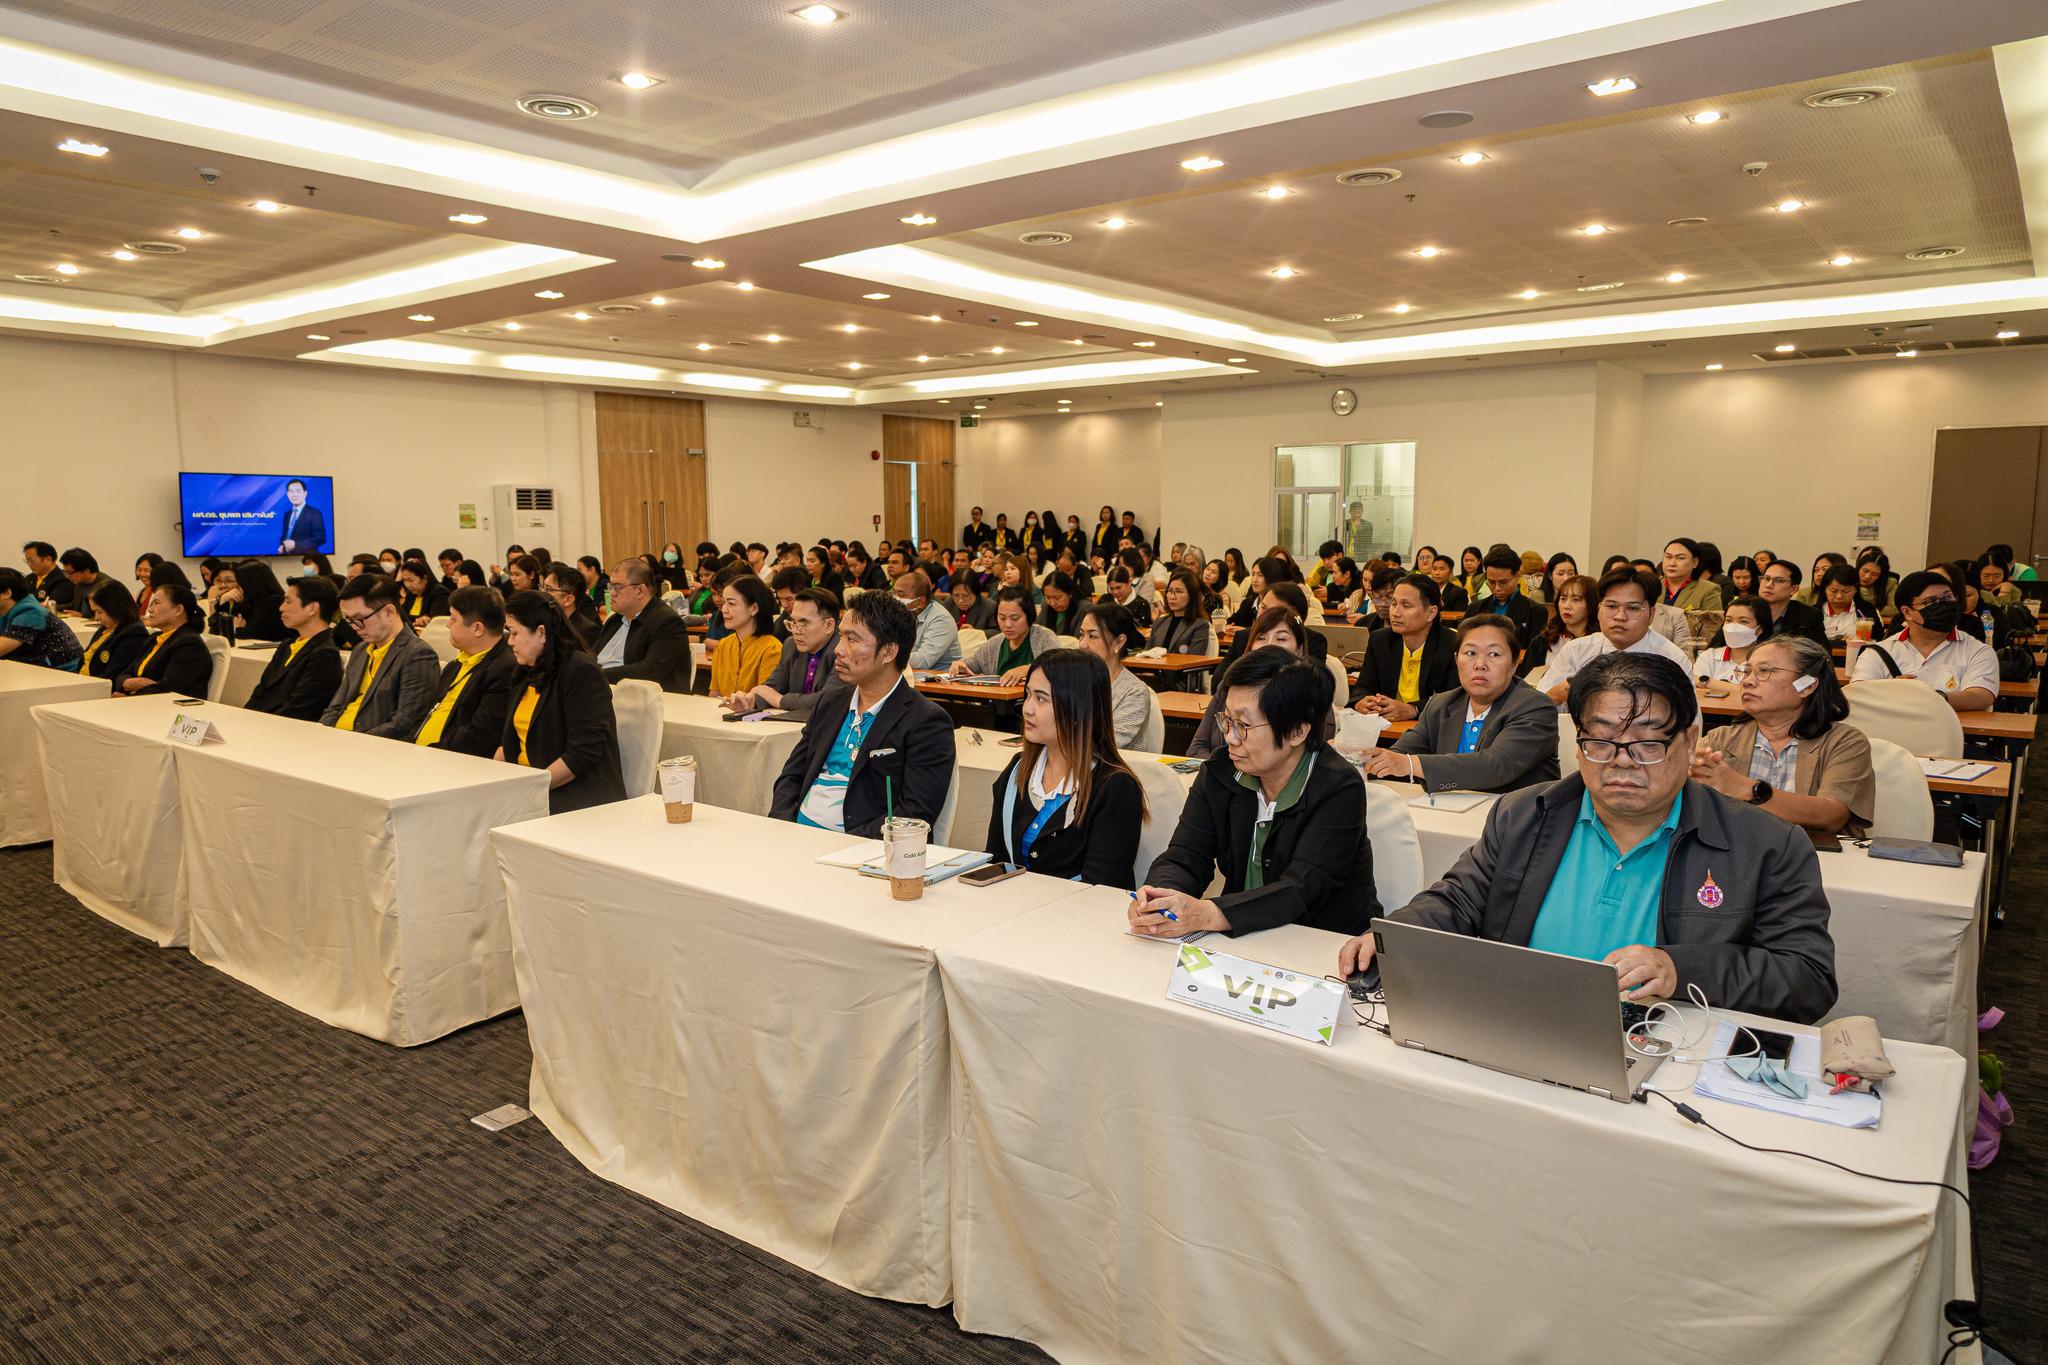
(969, 420)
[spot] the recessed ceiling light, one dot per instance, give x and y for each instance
(658, 301)
(708, 263)
(580, 316)
(1283, 272)
(979, 406)
(318, 336)
(1428, 253)
(874, 296)
(1026, 322)
(773, 337)
(1344, 317)
(1077, 341)
(1404, 307)
(638, 80)
(848, 327)
(419, 317)
(1842, 260)
(1785, 348)
(821, 15)
(2007, 335)
(918, 219)
(472, 219)
(1715, 366)
(1275, 192)
(1529, 294)
(1705, 117)
(1146, 344)
(124, 254)
(744, 286)
(1235, 360)
(922, 359)
(1471, 158)
(853, 365)
(1789, 205)
(266, 206)
(547, 293)
(998, 350)
(1595, 230)
(945, 400)
(1200, 163)
(704, 346)
(933, 317)
(1116, 224)
(190, 234)
(1160, 404)
(1904, 355)
(80, 147)
(1676, 277)
(515, 326)
(66, 268)
(1613, 85)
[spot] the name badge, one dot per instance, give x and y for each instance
(187, 728)
(1292, 1003)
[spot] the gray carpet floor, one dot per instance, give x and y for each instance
(190, 1171)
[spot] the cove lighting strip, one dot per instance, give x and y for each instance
(1382, 58)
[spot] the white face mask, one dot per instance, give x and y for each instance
(1739, 636)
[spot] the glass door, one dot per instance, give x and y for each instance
(1304, 518)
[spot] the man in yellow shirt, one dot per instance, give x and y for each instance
(476, 687)
(392, 676)
(1410, 659)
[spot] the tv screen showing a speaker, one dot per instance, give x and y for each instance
(249, 516)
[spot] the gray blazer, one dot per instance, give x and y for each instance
(788, 677)
(1758, 942)
(1517, 743)
(407, 685)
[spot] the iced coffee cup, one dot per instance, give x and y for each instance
(903, 848)
(679, 788)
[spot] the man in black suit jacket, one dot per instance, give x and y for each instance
(304, 671)
(476, 686)
(643, 637)
(44, 579)
(1512, 727)
(1414, 623)
(1776, 586)
(974, 534)
(872, 735)
(1503, 575)
(305, 529)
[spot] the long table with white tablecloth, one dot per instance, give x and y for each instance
(737, 760)
(725, 1026)
(24, 806)
(1134, 1179)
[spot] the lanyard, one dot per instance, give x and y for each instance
(1038, 822)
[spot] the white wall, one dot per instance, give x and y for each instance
(770, 480)
(1785, 457)
(1072, 465)
(1615, 489)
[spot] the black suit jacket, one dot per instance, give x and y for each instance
(573, 721)
(973, 536)
(1455, 598)
(908, 748)
(1517, 742)
(436, 603)
(477, 721)
(1529, 617)
(1379, 672)
(110, 656)
(182, 668)
(306, 535)
(1100, 850)
(301, 687)
(54, 588)
(657, 647)
(1800, 619)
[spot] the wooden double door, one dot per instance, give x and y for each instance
(650, 474)
(1990, 486)
(917, 475)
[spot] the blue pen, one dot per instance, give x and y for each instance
(1168, 913)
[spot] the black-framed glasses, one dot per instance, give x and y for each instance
(1646, 752)
(1234, 728)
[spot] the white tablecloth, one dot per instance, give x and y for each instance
(1906, 943)
(245, 669)
(84, 627)
(1137, 1180)
(24, 805)
(117, 827)
(982, 756)
(351, 877)
(737, 761)
(724, 1026)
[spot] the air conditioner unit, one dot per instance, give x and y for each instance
(525, 516)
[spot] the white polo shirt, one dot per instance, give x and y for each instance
(1957, 664)
(1573, 655)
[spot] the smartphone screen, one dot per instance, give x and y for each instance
(1776, 1046)
(989, 873)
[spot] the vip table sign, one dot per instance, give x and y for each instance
(24, 800)
(1293, 1003)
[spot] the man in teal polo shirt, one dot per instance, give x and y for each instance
(1630, 863)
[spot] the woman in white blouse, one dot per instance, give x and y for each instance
(1741, 630)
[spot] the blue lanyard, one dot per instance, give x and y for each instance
(1038, 822)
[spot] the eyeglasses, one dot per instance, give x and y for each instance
(357, 619)
(1645, 752)
(1233, 728)
(1778, 580)
(1766, 672)
(1611, 607)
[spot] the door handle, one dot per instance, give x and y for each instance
(664, 528)
(646, 527)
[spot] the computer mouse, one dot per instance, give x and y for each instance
(1365, 982)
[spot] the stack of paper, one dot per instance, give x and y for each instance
(1953, 770)
(940, 863)
(1850, 1109)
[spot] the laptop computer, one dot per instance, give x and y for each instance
(1540, 1015)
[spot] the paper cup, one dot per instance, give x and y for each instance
(679, 789)
(903, 849)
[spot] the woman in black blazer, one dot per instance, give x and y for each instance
(178, 663)
(1180, 627)
(1068, 805)
(421, 597)
(255, 614)
(561, 718)
(122, 639)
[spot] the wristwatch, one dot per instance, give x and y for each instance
(1761, 792)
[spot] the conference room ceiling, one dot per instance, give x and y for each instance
(738, 77)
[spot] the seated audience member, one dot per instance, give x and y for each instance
(1372, 607)
(1686, 583)
(84, 572)
(1747, 622)
(1060, 603)
(643, 637)
(146, 566)
(1068, 805)
(1823, 564)
(871, 738)
(1327, 554)
(30, 632)
(1017, 641)
(449, 561)
(817, 562)
(1504, 596)
(1491, 733)
(469, 574)
(862, 571)
(1995, 625)
(522, 574)
(1280, 818)
(1875, 581)
(1217, 594)
(388, 560)
(1930, 648)
(1741, 578)
(1277, 627)
(1668, 621)
(1181, 626)
(1287, 595)
(47, 583)
(1450, 591)
(1793, 756)
(562, 584)
(392, 677)
(1571, 618)
(786, 584)
(1107, 631)
(1412, 659)
(1842, 608)
(560, 718)
(937, 643)
(1621, 607)
(1618, 860)
(178, 664)
(805, 667)
(1558, 570)
(468, 717)
(1995, 587)
(971, 610)
(1121, 592)
(121, 640)
(304, 671)
(748, 652)
(1776, 586)
(421, 598)
(358, 565)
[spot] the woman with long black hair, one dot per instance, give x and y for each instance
(1068, 804)
(561, 719)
